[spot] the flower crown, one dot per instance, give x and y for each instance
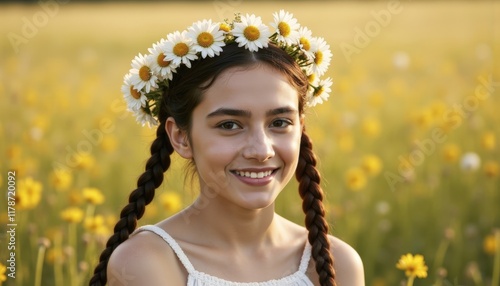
(151, 73)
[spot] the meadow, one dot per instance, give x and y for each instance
(407, 143)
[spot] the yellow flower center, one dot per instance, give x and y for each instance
(306, 45)
(284, 29)
(411, 270)
(225, 27)
(311, 77)
(145, 73)
(205, 39)
(181, 49)
(135, 94)
(251, 33)
(318, 91)
(318, 57)
(161, 61)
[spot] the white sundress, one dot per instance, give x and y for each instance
(198, 278)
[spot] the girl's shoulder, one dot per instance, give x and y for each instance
(143, 259)
(348, 264)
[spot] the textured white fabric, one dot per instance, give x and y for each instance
(197, 278)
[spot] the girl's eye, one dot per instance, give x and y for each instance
(280, 123)
(228, 125)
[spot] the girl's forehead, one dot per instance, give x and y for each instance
(254, 86)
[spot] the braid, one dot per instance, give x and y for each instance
(312, 205)
(161, 148)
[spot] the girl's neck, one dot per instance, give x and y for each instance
(232, 226)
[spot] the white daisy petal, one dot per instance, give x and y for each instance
(144, 118)
(179, 49)
(286, 27)
(134, 98)
(141, 73)
(251, 33)
(207, 38)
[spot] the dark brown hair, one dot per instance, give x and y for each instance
(185, 92)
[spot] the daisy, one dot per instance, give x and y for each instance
(207, 37)
(141, 74)
(144, 117)
(313, 82)
(179, 49)
(286, 27)
(251, 33)
(162, 68)
(134, 98)
(321, 92)
(305, 37)
(322, 55)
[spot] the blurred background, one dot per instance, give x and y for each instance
(407, 143)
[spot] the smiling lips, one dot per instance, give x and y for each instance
(255, 177)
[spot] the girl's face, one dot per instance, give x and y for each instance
(245, 136)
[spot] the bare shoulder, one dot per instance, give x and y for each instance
(348, 265)
(144, 259)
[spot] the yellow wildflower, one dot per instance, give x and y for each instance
(488, 141)
(490, 244)
(72, 215)
(29, 193)
(96, 225)
(491, 169)
(414, 266)
(85, 161)
(171, 201)
(109, 143)
(355, 179)
(61, 179)
(93, 196)
(451, 153)
(372, 165)
(3, 277)
(371, 127)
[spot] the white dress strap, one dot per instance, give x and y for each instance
(171, 242)
(306, 256)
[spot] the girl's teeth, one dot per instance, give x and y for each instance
(254, 175)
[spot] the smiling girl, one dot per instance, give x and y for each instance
(230, 98)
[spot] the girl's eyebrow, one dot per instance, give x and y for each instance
(245, 113)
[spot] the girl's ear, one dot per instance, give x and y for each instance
(178, 139)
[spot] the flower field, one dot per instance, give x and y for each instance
(408, 143)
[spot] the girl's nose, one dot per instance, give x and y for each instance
(259, 147)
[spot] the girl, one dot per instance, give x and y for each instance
(230, 98)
